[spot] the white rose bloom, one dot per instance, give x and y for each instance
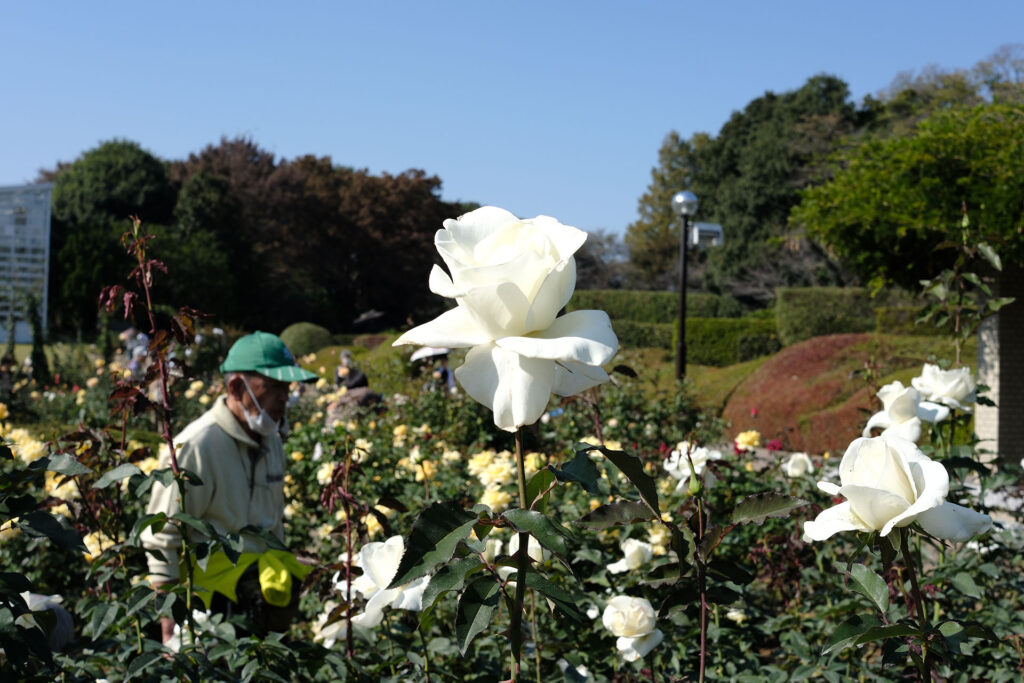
(888, 482)
(329, 634)
(509, 278)
(953, 388)
(902, 412)
(798, 465)
(678, 465)
(379, 562)
(633, 621)
(637, 554)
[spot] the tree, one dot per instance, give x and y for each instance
(93, 199)
(601, 263)
(747, 178)
(893, 200)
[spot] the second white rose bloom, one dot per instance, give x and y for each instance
(510, 277)
(633, 621)
(954, 387)
(888, 482)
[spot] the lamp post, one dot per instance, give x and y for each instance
(685, 204)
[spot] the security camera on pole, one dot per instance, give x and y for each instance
(685, 204)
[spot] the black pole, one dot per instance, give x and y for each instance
(681, 341)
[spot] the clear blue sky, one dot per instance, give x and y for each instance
(539, 107)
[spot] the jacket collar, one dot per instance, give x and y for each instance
(227, 421)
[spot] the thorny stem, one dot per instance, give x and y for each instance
(702, 588)
(522, 567)
(533, 625)
(347, 503)
(922, 612)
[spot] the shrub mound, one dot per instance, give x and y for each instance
(814, 396)
(303, 338)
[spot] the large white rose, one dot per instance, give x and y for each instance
(888, 482)
(510, 277)
(636, 554)
(902, 412)
(954, 387)
(678, 465)
(379, 562)
(633, 621)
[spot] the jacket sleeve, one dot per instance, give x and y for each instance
(194, 457)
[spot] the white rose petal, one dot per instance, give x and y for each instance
(798, 465)
(637, 554)
(633, 649)
(903, 411)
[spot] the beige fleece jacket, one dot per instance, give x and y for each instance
(243, 484)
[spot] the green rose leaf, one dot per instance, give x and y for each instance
(122, 471)
(450, 577)
(760, 506)
(433, 539)
(158, 520)
(63, 463)
(538, 484)
(55, 527)
(142, 662)
(616, 514)
(200, 525)
(582, 470)
(550, 534)
(103, 615)
(476, 606)
(847, 633)
(990, 255)
(631, 466)
(564, 601)
(265, 535)
(964, 583)
(871, 585)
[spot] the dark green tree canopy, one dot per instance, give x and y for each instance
(894, 199)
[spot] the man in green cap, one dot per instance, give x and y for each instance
(235, 450)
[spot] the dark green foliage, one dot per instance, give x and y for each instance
(709, 341)
(93, 199)
(805, 312)
(901, 320)
(725, 341)
(653, 307)
(303, 338)
(40, 366)
(747, 178)
(894, 200)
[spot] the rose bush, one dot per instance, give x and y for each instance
(509, 278)
(903, 411)
(954, 387)
(888, 482)
(633, 621)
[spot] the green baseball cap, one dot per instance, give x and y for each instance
(266, 354)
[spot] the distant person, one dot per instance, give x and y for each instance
(444, 375)
(348, 375)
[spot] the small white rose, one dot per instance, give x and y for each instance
(954, 387)
(798, 465)
(633, 649)
(636, 554)
(628, 617)
(888, 482)
(379, 562)
(678, 464)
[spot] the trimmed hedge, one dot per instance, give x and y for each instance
(653, 307)
(805, 312)
(303, 338)
(709, 341)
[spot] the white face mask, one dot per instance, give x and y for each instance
(261, 424)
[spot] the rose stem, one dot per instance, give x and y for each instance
(702, 587)
(522, 566)
(922, 613)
